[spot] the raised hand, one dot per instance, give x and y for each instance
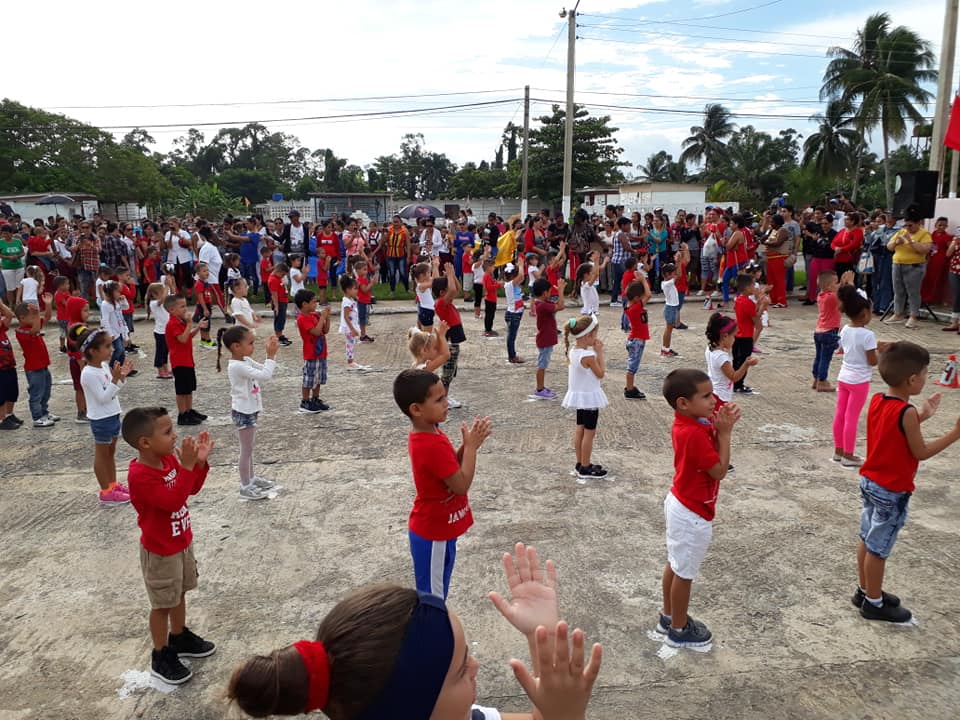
(533, 591)
(930, 406)
(598, 345)
(188, 453)
(204, 445)
(752, 360)
(478, 431)
(47, 299)
(273, 344)
(563, 689)
(727, 417)
(440, 328)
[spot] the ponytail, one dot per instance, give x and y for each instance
(851, 301)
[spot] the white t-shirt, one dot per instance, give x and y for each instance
(591, 299)
(210, 254)
(240, 307)
(111, 319)
(425, 297)
(100, 391)
(296, 281)
(177, 253)
(348, 309)
(533, 274)
(296, 238)
(670, 294)
(478, 272)
(722, 385)
(160, 317)
(583, 386)
(856, 342)
(30, 289)
(245, 378)
(514, 295)
(98, 285)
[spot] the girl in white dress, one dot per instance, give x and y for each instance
(584, 393)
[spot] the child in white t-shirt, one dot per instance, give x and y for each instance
(587, 280)
(477, 269)
(29, 290)
(860, 348)
(156, 294)
(721, 332)
(350, 320)
(240, 306)
(297, 278)
(671, 308)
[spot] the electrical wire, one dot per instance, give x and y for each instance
(712, 17)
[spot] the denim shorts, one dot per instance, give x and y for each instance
(543, 357)
(884, 513)
(634, 354)
(671, 314)
(244, 420)
(105, 430)
(425, 316)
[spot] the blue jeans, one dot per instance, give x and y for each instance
(729, 273)
(826, 344)
(248, 270)
(39, 383)
(882, 281)
(119, 352)
(884, 514)
(397, 266)
(280, 318)
(617, 270)
(513, 327)
(432, 563)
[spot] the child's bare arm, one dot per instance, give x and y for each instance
(919, 447)
(596, 364)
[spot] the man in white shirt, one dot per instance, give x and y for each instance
(210, 254)
(180, 252)
(294, 236)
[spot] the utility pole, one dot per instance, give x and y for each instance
(944, 88)
(568, 131)
(526, 151)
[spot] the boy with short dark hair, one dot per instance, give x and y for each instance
(701, 448)
(748, 320)
(637, 295)
(895, 447)
(61, 287)
(278, 300)
(313, 327)
(160, 484)
(442, 476)
(36, 359)
(179, 335)
(545, 309)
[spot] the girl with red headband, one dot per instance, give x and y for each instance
(391, 652)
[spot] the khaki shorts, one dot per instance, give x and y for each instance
(168, 577)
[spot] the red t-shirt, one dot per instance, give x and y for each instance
(266, 270)
(529, 240)
(746, 310)
(890, 462)
(277, 289)
(364, 296)
(38, 244)
(329, 245)
(181, 353)
(60, 298)
(490, 287)
(129, 291)
(151, 267)
(35, 355)
(466, 263)
(683, 283)
(695, 452)
(305, 323)
(639, 330)
(548, 334)
(828, 312)
(628, 277)
(160, 499)
(437, 514)
(203, 292)
(8, 360)
(447, 312)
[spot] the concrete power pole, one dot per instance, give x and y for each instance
(568, 131)
(944, 89)
(526, 151)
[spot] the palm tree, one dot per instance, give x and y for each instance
(831, 149)
(884, 73)
(706, 142)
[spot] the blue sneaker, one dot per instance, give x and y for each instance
(694, 635)
(663, 625)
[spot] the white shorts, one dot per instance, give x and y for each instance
(688, 537)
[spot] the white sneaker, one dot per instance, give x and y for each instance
(354, 366)
(911, 323)
(454, 403)
(252, 492)
(700, 292)
(43, 422)
(51, 416)
(853, 462)
(616, 304)
(263, 483)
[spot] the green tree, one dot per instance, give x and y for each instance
(255, 185)
(884, 73)
(706, 142)
(660, 167)
(125, 174)
(207, 201)
(832, 148)
(759, 162)
(474, 181)
(138, 139)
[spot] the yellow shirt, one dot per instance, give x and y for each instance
(903, 254)
(506, 248)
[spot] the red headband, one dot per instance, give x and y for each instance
(318, 672)
(728, 326)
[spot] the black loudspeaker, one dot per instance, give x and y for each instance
(916, 187)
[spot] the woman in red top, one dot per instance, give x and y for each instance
(933, 291)
(847, 244)
(953, 256)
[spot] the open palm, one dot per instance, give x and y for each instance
(533, 591)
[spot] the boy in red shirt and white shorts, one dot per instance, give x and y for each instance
(701, 450)
(159, 487)
(441, 511)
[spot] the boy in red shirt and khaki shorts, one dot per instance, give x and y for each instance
(701, 457)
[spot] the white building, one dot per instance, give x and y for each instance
(643, 197)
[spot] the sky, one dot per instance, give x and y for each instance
(296, 66)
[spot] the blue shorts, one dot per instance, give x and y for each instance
(884, 513)
(671, 314)
(634, 354)
(105, 430)
(363, 312)
(425, 317)
(244, 420)
(432, 563)
(543, 357)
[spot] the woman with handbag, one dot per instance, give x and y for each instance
(779, 248)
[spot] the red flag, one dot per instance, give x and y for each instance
(952, 137)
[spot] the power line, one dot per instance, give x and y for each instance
(697, 47)
(709, 17)
(688, 97)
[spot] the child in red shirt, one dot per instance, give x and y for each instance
(36, 359)
(361, 270)
(445, 289)
(637, 294)
(747, 320)
(548, 334)
(128, 288)
(826, 337)
(203, 293)
(179, 335)
(61, 287)
(9, 385)
(313, 328)
(490, 287)
(701, 457)
(77, 314)
(279, 300)
(442, 476)
(266, 271)
(160, 484)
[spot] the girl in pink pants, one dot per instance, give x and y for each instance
(853, 383)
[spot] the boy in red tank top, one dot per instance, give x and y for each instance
(895, 447)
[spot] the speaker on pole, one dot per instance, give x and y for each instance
(916, 187)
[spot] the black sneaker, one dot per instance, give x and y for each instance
(165, 664)
(888, 599)
(189, 644)
(694, 635)
(307, 407)
(745, 390)
(133, 373)
(320, 405)
(188, 419)
(17, 420)
(9, 423)
(663, 625)
(591, 472)
(633, 394)
(886, 612)
(199, 416)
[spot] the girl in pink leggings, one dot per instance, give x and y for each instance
(853, 383)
